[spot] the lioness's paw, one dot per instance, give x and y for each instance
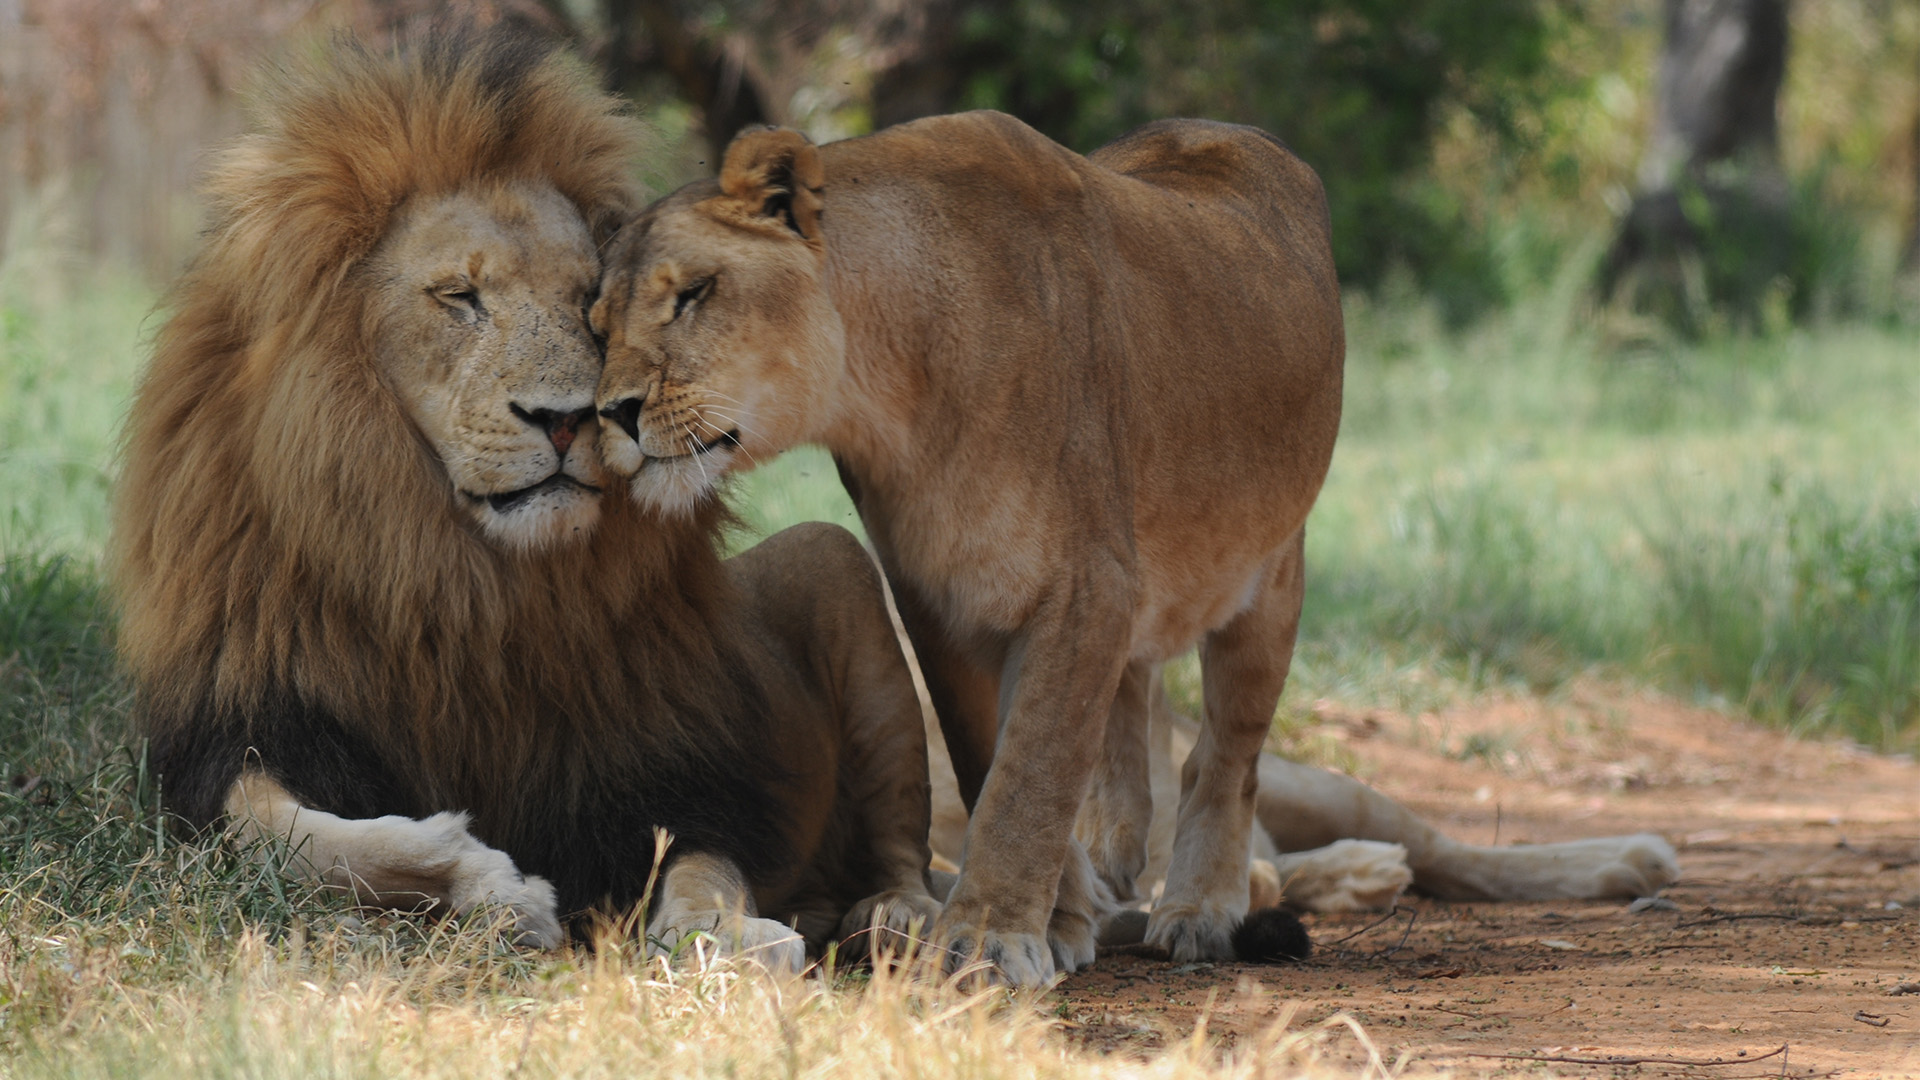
(1196, 930)
(1119, 856)
(1347, 875)
(1017, 959)
(895, 921)
(1081, 906)
(1072, 937)
(1640, 865)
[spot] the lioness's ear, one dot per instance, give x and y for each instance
(778, 174)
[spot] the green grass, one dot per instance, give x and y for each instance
(68, 358)
(1738, 520)
(1537, 497)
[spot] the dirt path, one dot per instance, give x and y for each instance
(1797, 913)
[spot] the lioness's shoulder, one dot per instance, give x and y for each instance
(981, 145)
(1215, 159)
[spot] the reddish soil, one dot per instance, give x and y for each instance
(1796, 921)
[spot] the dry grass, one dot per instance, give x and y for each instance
(451, 1001)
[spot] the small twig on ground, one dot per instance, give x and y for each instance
(1413, 916)
(1875, 1019)
(1621, 1060)
(1375, 924)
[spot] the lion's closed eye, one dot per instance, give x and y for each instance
(460, 297)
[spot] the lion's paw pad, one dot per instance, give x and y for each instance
(894, 920)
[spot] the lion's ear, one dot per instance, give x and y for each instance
(777, 173)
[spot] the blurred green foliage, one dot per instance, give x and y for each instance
(1358, 88)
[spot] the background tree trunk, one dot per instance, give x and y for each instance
(710, 75)
(1910, 251)
(1710, 183)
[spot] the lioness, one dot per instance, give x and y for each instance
(375, 598)
(1083, 405)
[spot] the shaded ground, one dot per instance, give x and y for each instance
(1797, 914)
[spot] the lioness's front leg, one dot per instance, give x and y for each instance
(1243, 668)
(1059, 682)
(703, 894)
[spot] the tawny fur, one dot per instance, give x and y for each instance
(1083, 404)
(276, 524)
(308, 599)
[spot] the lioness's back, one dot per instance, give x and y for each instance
(1180, 278)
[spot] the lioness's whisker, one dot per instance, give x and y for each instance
(738, 430)
(693, 450)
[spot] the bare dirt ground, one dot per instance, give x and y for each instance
(1795, 924)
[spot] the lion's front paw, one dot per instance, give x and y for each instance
(895, 921)
(773, 945)
(486, 876)
(1194, 930)
(536, 923)
(1018, 959)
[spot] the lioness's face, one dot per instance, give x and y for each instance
(480, 329)
(723, 346)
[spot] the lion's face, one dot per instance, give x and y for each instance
(723, 346)
(479, 326)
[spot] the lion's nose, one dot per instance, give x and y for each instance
(626, 413)
(561, 427)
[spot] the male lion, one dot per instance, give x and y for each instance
(1083, 405)
(359, 599)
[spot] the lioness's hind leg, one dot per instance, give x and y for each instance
(1603, 868)
(1303, 808)
(397, 862)
(1117, 815)
(1243, 668)
(1346, 875)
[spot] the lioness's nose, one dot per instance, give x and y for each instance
(626, 413)
(560, 426)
